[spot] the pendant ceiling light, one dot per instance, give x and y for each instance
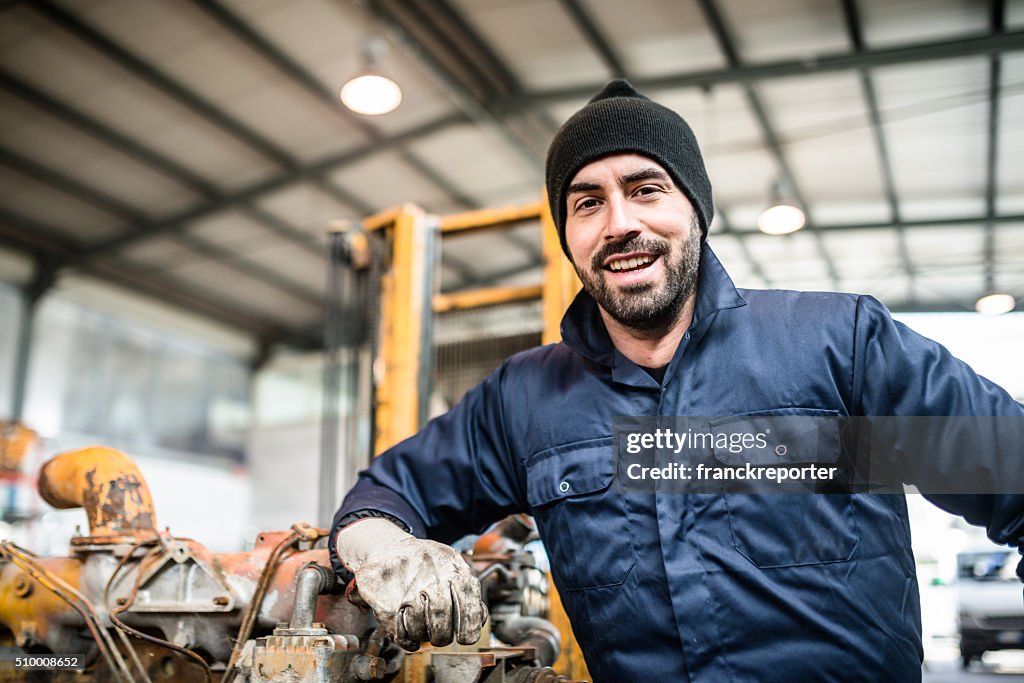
(782, 216)
(369, 91)
(995, 304)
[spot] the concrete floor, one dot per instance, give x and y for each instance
(995, 667)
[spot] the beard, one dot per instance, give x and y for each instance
(646, 306)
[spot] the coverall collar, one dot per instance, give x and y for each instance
(583, 329)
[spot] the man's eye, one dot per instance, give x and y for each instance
(647, 190)
(586, 204)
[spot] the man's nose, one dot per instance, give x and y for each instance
(621, 224)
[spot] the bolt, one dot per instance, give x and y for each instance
(22, 586)
(122, 601)
(369, 668)
(221, 600)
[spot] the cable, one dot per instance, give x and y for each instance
(59, 587)
(207, 673)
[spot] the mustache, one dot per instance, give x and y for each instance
(650, 245)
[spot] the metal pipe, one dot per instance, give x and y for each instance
(520, 631)
(107, 484)
(313, 579)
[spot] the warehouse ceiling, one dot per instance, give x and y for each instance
(195, 151)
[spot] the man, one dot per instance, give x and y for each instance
(669, 587)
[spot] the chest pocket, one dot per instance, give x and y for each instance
(581, 514)
(792, 529)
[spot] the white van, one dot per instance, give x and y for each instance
(990, 602)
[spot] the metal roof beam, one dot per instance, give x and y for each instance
(467, 97)
(161, 81)
(457, 71)
(38, 238)
(130, 214)
(725, 41)
(595, 36)
(727, 229)
(292, 69)
(1009, 41)
(960, 222)
(299, 74)
(997, 24)
(483, 56)
(150, 157)
(178, 221)
(855, 32)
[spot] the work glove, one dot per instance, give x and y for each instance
(419, 590)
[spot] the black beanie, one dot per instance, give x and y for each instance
(620, 120)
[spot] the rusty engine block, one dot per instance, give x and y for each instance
(146, 606)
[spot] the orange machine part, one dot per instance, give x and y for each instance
(108, 485)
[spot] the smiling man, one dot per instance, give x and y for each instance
(635, 240)
(670, 586)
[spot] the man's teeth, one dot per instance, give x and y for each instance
(630, 263)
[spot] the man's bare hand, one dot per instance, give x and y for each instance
(419, 590)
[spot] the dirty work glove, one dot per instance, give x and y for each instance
(419, 590)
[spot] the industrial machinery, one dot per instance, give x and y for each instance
(143, 605)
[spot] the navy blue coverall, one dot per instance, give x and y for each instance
(704, 588)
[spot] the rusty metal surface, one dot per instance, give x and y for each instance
(495, 665)
(33, 614)
(321, 658)
(107, 485)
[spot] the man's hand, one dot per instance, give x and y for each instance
(419, 590)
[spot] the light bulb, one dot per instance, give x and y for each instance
(371, 94)
(780, 219)
(995, 304)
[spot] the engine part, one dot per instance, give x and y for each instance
(108, 486)
(148, 606)
(505, 665)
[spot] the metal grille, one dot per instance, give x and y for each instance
(469, 344)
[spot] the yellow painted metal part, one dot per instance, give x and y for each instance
(107, 484)
(28, 609)
(560, 287)
(396, 369)
(383, 220)
(15, 442)
(475, 298)
(484, 219)
(560, 281)
(397, 366)
(570, 662)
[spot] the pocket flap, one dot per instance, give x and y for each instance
(784, 436)
(569, 470)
